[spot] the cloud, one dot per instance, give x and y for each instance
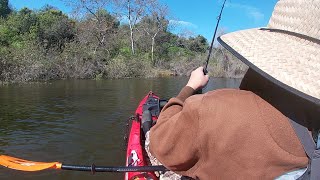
(250, 11)
(182, 28)
(257, 16)
(183, 24)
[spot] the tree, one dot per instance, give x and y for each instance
(98, 35)
(82, 7)
(133, 11)
(154, 22)
(5, 10)
(54, 29)
(152, 26)
(18, 27)
(96, 21)
(198, 44)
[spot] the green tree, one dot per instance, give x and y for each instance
(17, 28)
(5, 10)
(198, 44)
(54, 29)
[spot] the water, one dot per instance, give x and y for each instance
(76, 122)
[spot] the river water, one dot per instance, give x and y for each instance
(76, 122)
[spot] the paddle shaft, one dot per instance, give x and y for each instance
(94, 168)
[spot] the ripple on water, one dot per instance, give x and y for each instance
(76, 122)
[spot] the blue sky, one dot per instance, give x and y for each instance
(198, 17)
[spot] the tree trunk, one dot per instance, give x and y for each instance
(132, 40)
(152, 51)
(131, 26)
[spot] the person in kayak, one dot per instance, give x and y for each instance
(249, 133)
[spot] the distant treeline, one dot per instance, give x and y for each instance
(132, 41)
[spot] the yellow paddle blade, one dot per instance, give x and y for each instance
(25, 165)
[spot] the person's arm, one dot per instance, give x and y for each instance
(173, 138)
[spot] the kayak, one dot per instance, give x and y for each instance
(145, 116)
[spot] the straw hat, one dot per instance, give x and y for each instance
(287, 51)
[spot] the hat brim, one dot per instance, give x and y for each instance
(290, 61)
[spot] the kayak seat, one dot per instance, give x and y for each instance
(146, 121)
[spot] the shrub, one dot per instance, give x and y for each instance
(120, 67)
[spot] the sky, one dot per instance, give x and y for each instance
(197, 17)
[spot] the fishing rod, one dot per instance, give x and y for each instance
(213, 38)
(26, 165)
(205, 71)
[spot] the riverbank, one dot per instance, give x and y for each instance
(46, 44)
(41, 68)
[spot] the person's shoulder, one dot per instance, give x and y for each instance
(230, 93)
(235, 98)
(232, 99)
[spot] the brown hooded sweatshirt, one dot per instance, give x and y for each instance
(225, 134)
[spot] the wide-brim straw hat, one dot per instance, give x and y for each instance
(287, 51)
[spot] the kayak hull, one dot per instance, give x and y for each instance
(135, 154)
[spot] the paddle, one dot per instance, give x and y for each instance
(25, 165)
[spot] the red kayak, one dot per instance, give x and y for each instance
(145, 116)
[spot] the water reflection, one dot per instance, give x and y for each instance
(78, 122)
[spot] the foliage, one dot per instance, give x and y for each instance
(47, 44)
(17, 28)
(4, 8)
(54, 29)
(198, 44)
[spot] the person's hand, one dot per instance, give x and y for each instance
(197, 79)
